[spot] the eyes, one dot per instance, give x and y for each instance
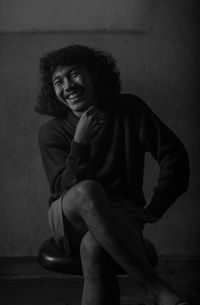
(57, 83)
(75, 73)
(72, 74)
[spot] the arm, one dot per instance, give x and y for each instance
(68, 164)
(171, 155)
(65, 165)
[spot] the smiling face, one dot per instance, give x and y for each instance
(74, 87)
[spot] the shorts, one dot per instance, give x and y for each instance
(59, 224)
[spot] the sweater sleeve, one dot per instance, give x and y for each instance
(65, 165)
(171, 155)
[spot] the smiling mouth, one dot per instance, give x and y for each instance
(74, 96)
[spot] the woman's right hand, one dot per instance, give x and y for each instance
(89, 125)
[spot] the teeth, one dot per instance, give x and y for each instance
(73, 95)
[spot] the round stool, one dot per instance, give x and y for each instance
(53, 258)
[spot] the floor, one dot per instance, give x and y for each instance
(54, 289)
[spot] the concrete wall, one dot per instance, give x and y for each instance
(158, 64)
(59, 15)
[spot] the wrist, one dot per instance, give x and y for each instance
(79, 149)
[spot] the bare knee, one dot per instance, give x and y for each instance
(89, 189)
(82, 196)
(93, 196)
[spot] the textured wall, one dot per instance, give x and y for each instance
(160, 66)
(51, 15)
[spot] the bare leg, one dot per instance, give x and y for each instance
(100, 281)
(87, 208)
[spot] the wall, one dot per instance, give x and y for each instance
(158, 62)
(59, 15)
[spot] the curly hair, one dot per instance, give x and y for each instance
(100, 64)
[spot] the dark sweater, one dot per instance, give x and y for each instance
(116, 159)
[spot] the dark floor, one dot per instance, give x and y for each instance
(55, 291)
(26, 283)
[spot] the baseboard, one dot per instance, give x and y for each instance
(28, 267)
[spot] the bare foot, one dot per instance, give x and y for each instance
(162, 293)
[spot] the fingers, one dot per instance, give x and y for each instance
(95, 114)
(92, 110)
(100, 122)
(89, 111)
(96, 129)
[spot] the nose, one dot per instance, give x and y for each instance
(67, 84)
